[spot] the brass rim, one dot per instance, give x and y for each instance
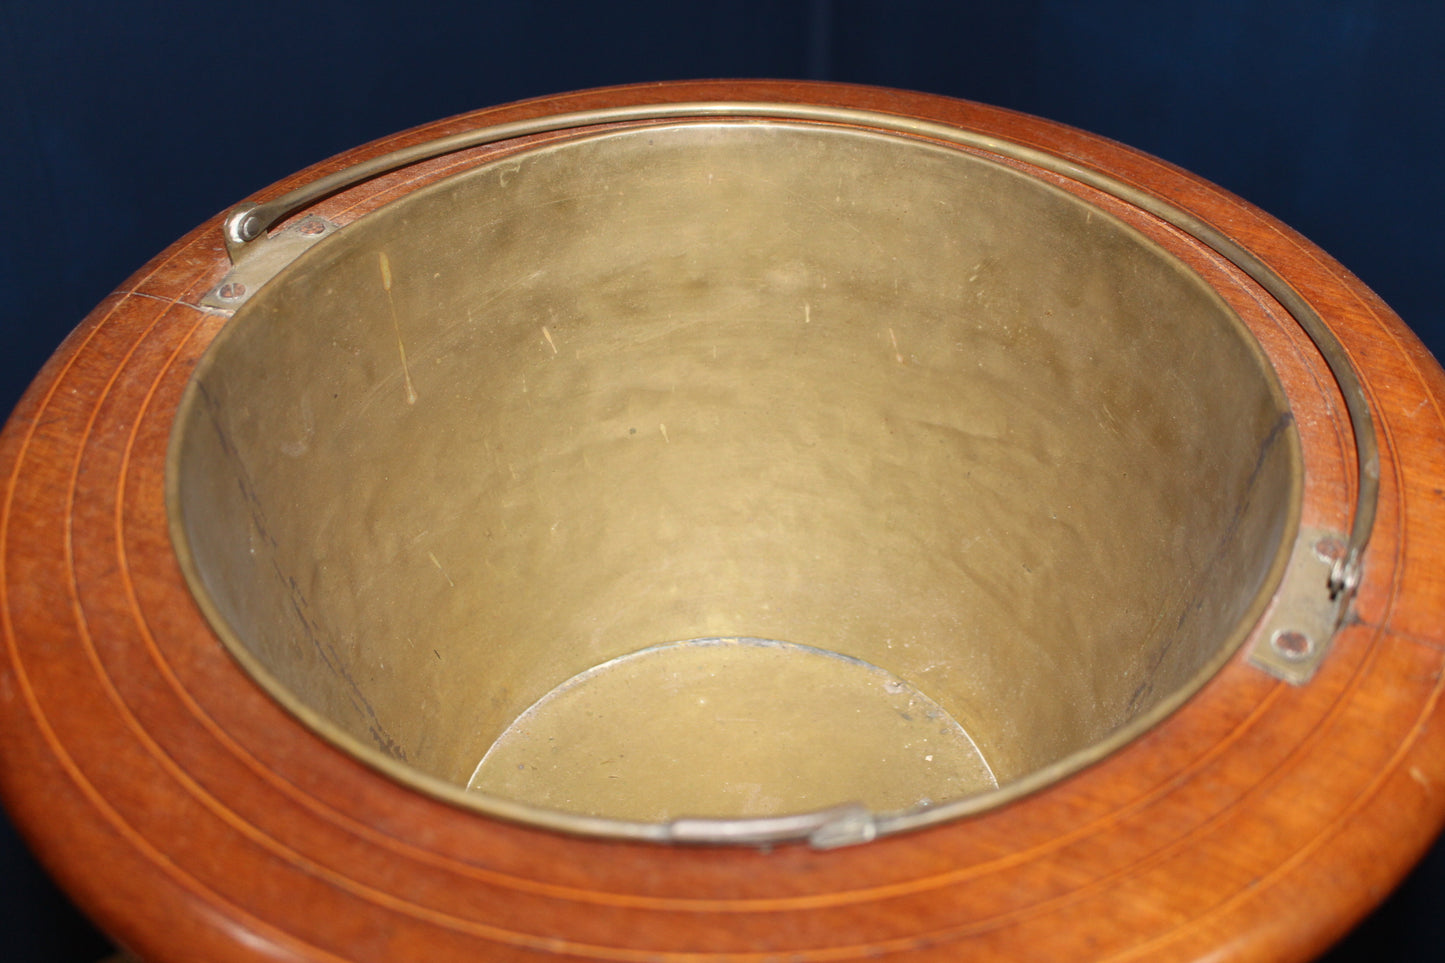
(830, 826)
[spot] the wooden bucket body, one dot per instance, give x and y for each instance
(1039, 437)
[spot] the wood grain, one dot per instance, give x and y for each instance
(196, 820)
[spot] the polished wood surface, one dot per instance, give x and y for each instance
(196, 820)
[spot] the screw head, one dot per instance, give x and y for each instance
(1292, 645)
(1329, 549)
(311, 227)
(231, 291)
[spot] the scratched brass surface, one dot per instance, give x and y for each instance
(834, 388)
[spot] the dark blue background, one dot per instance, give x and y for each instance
(124, 125)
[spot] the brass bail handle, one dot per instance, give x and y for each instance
(246, 226)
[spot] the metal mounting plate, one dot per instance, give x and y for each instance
(1296, 635)
(265, 258)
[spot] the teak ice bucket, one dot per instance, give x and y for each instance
(751, 521)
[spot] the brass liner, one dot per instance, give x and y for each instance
(843, 389)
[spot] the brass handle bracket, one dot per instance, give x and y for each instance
(1294, 637)
(263, 259)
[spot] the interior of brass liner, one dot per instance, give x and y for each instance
(836, 393)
